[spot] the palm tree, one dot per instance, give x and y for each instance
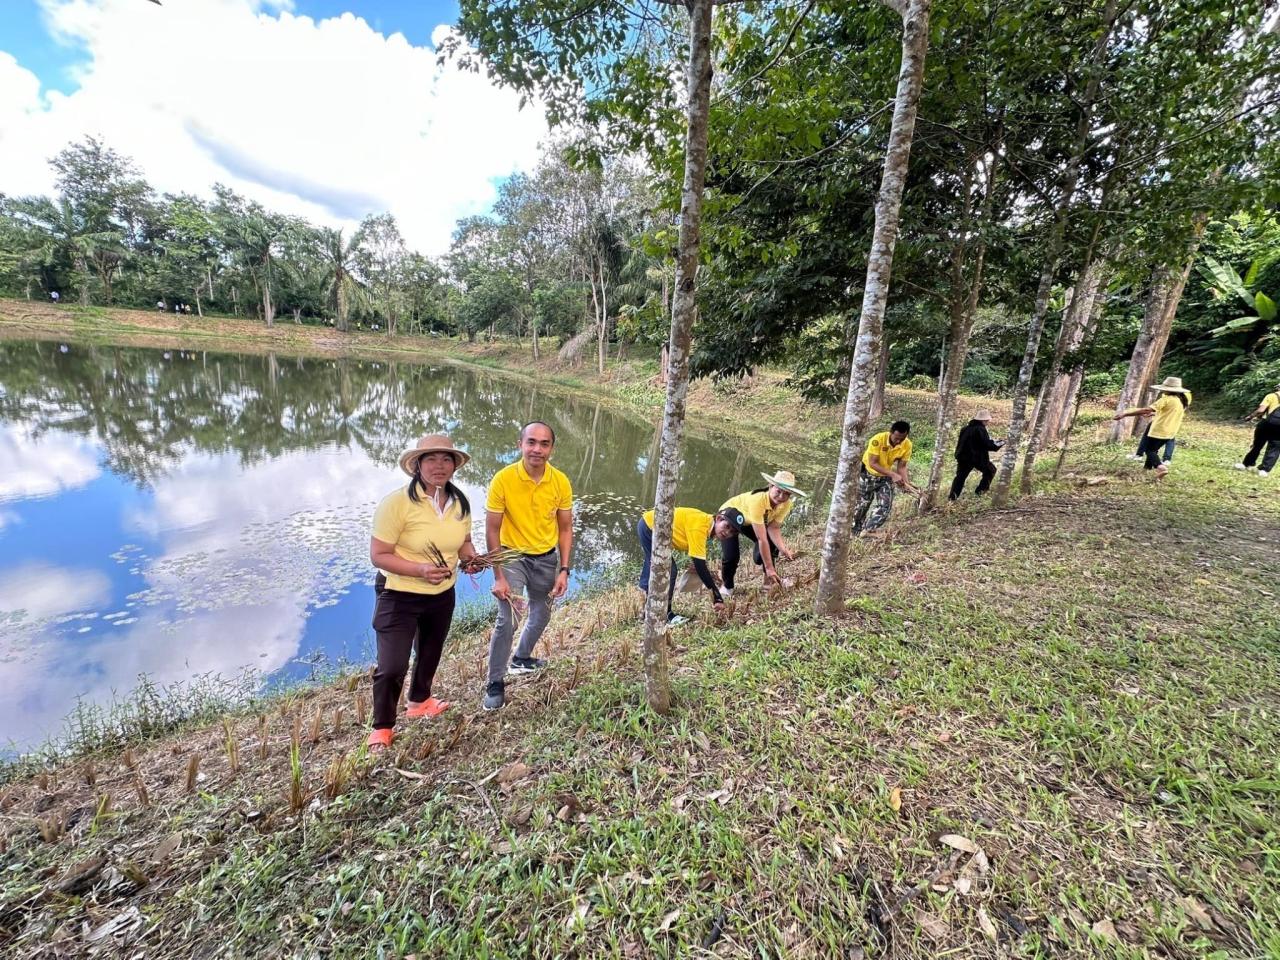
(342, 289)
(64, 233)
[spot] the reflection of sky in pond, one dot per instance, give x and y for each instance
(180, 514)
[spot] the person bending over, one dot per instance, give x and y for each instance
(690, 531)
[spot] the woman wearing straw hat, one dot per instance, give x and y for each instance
(974, 447)
(421, 532)
(1166, 413)
(763, 510)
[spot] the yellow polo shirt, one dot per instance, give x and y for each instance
(1269, 403)
(690, 530)
(889, 454)
(1168, 417)
(529, 507)
(411, 526)
(757, 508)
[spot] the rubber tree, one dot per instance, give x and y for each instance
(1052, 255)
(835, 544)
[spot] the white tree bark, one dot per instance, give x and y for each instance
(835, 544)
(684, 309)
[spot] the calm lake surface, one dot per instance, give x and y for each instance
(182, 513)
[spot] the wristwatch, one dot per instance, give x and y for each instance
(564, 569)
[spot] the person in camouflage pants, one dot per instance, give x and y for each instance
(883, 471)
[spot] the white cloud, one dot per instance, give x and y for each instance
(36, 466)
(40, 591)
(326, 119)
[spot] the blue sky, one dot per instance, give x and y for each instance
(28, 38)
(326, 109)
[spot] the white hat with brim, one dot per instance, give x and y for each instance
(432, 443)
(785, 480)
(982, 414)
(1171, 385)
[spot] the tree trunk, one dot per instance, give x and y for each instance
(1075, 320)
(340, 305)
(268, 311)
(835, 545)
(533, 324)
(1140, 362)
(602, 331)
(964, 306)
(1053, 253)
(663, 361)
(199, 311)
(235, 301)
(657, 677)
(1071, 399)
(882, 368)
(84, 283)
(297, 315)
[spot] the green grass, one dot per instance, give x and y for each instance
(1085, 686)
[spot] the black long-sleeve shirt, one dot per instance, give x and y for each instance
(704, 574)
(974, 445)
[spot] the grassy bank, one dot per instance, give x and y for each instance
(1039, 732)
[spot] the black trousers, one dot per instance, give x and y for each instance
(966, 467)
(730, 554)
(403, 621)
(1264, 435)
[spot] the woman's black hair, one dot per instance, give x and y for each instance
(1185, 402)
(450, 488)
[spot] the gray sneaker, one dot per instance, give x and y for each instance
(521, 665)
(495, 696)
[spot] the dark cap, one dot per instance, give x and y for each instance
(735, 517)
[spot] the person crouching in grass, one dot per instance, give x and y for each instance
(763, 509)
(690, 532)
(420, 535)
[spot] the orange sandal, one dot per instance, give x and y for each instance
(430, 707)
(380, 740)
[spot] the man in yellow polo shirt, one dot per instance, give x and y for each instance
(530, 509)
(884, 470)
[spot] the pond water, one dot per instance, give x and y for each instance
(179, 514)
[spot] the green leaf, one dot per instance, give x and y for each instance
(1226, 279)
(1265, 306)
(1231, 326)
(1251, 275)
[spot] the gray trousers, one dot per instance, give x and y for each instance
(533, 576)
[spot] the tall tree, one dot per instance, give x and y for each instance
(875, 293)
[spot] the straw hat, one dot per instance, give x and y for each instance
(432, 443)
(983, 414)
(785, 480)
(1171, 385)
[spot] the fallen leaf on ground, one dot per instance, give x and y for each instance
(577, 915)
(668, 920)
(895, 799)
(957, 842)
(81, 874)
(933, 927)
(1197, 912)
(1105, 928)
(988, 928)
(121, 922)
(514, 771)
(522, 814)
(963, 884)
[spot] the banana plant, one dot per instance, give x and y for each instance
(1224, 282)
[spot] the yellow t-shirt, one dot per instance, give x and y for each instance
(529, 509)
(1168, 417)
(889, 454)
(411, 526)
(690, 530)
(1269, 403)
(757, 508)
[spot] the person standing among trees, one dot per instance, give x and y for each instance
(1167, 414)
(763, 510)
(1265, 434)
(974, 447)
(421, 534)
(529, 509)
(883, 471)
(690, 531)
